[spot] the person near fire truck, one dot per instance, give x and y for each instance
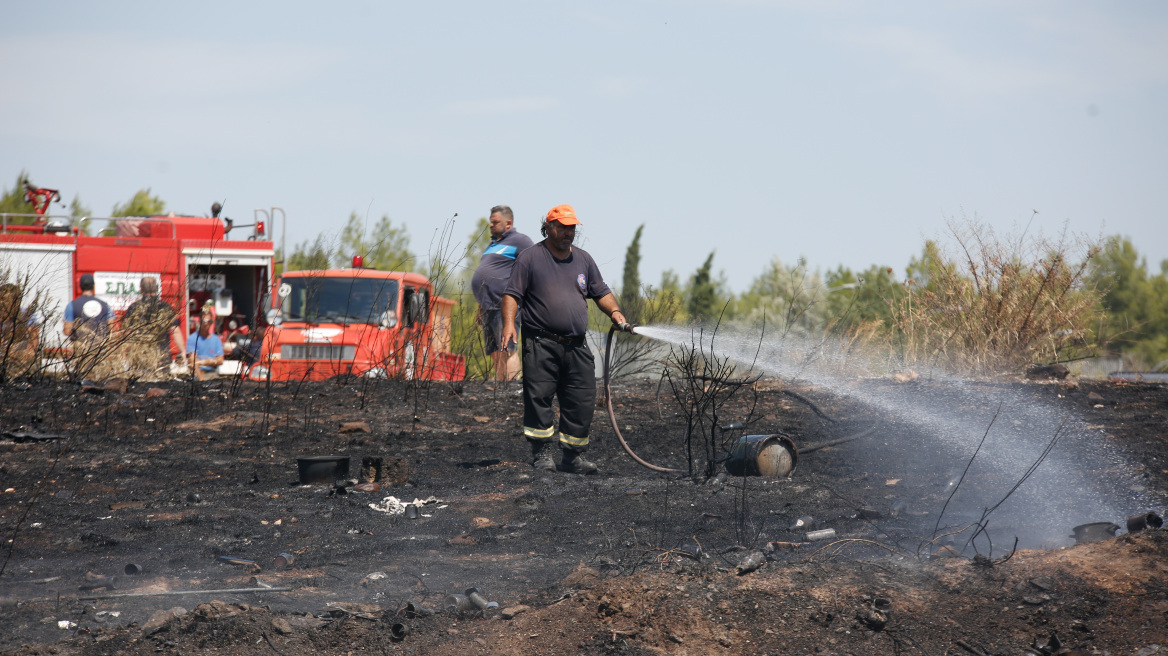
(205, 349)
(488, 283)
(87, 317)
(151, 323)
(552, 282)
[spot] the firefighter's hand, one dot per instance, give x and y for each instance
(508, 337)
(618, 318)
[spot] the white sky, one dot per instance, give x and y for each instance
(843, 132)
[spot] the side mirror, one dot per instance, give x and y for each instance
(275, 317)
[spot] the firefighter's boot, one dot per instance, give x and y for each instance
(574, 463)
(541, 455)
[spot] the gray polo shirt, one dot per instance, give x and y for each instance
(553, 294)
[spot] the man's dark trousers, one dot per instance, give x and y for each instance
(553, 368)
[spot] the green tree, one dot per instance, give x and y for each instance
(309, 255)
(702, 299)
(140, 204)
(787, 296)
(631, 280)
(1136, 302)
(12, 202)
(77, 209)
(387, 247)
(855, 300)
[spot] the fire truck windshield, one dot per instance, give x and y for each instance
(320, 299)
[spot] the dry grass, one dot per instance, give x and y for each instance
(999, 304)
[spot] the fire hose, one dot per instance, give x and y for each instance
(628, 328)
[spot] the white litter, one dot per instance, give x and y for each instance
(66, 624)
(395, 506)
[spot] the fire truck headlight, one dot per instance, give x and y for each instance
(258, 372)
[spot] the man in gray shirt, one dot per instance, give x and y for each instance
(488, 283)
(553, 281)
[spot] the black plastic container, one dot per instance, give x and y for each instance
(322, 469)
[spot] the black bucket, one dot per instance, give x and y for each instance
(322, 469)
(772, 456)
(1094, 532)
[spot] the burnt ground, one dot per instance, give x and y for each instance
(626, 562)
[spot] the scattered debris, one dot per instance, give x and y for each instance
(896, 508)
(1094, 532)
(372, 468)
(806, 522)
(511, 611)
(751, 562)
(393, 506)
(457, 603)
(349, 427)
(98, 582)
(160, 617)
(31, 436)
(250, 565)
(1137, 523)
(1047, 372)
(822, 534)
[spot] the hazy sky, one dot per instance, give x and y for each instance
(842, 132)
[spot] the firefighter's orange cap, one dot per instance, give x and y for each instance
(564, 214)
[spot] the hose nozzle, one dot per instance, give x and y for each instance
(627, 327)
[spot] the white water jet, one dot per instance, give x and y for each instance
(1084, 479)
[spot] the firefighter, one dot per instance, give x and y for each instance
(87, 317)
(553, 281)
(150, 323)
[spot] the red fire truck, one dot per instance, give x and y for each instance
(358, 321)
(195, 259)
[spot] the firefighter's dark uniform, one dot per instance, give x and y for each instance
(553, 298)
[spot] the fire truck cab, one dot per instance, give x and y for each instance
(362, 322)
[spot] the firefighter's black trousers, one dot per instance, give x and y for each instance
(554, 368)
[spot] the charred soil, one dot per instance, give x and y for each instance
(169, 518)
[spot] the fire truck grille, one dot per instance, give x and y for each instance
(317, 352)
